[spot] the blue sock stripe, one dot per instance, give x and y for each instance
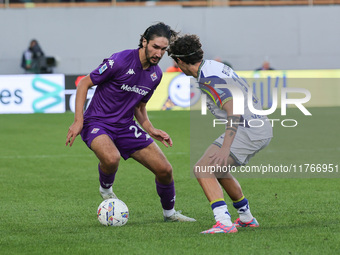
(217, 204)
(241, 203)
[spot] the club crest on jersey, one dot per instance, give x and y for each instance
(111, 62)
(95, 130)
(153, 76)
(103, 68)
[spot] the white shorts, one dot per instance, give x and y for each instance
(243, 149)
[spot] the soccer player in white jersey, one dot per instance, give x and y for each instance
(234, 147)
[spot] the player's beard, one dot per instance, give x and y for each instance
(151, 60)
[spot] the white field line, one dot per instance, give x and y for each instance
(43, 156)
(63, 156)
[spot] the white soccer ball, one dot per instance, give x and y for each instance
(113, 212)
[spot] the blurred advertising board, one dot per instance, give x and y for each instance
(55, 93)
(31, 93)
(176, 92)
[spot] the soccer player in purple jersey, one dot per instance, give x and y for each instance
(125, 83)
(235, 146)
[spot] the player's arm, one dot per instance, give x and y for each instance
(221, 156)
(143, 119)
(232, 125)
(76, 127)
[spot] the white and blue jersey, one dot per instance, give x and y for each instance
(218, 81)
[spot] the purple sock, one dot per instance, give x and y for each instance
(106, 180)
(167, 194)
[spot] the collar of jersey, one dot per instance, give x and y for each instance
(199, 69)
(137, 57)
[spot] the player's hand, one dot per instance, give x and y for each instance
(219, 157)
(161, 136)
(73, 131)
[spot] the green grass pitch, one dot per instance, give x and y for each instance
(49, 193)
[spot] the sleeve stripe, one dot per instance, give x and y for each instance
(226, 100)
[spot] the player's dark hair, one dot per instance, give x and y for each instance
(157, 30)
(187, 48)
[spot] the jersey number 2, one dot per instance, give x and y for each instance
(137, 134)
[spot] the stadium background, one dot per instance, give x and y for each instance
(48, 193)
(300, 37)
(291, 38)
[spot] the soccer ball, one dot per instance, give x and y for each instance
(113, 212)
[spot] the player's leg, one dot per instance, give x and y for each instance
(242, 149)
(234, 191)
(109, 158)
(212, 189)
(153, 158)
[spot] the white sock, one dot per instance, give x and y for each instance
(222, 215)
(168, 213)
(105, 191)
(245, 214)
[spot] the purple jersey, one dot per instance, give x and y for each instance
(121, 85)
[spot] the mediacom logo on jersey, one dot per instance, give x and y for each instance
(134, 89)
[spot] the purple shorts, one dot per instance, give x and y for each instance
(128, 139)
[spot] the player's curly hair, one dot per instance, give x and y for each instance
(187, 48)
(158, 30)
